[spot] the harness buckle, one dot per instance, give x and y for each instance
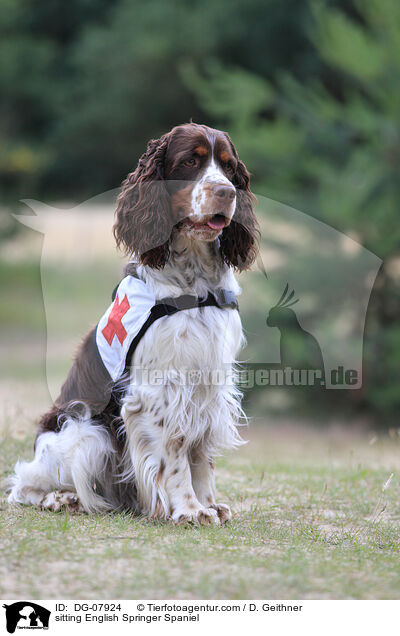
(178, 303)
(226, 298)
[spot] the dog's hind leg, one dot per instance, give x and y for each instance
(62, 500)
(66, 469)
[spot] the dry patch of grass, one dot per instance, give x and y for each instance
(312, 519)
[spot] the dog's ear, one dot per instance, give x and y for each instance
(239, 241)
(143, 216)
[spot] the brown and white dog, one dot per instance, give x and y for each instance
(186, 216)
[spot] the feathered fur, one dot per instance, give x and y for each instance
(186, 215)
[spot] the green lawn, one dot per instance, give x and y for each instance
(310, 517)
(310, 521)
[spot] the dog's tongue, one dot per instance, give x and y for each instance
(217, 222)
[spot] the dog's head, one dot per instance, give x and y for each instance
(191, 180)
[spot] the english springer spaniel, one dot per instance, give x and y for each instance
(142, 433)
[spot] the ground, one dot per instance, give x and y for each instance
(314, 517)
(316, 511)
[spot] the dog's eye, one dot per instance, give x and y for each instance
(192, 162)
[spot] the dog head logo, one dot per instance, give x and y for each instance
(26, 615)
(332, 274)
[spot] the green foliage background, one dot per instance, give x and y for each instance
(309, 91)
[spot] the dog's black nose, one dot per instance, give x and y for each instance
(225, 192)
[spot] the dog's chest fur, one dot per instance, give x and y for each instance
(193, 351)
(206, 337)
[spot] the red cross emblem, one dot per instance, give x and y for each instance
(114, 326)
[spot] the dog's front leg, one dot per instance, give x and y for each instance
(161, 470)
(176, 476)
(202, 470)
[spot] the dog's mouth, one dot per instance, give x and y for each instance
(217, 222)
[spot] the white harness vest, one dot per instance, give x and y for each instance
(134, 309)
(122, 322)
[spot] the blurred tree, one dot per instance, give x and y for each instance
(85, 84)
(330, 146)
(127, 86)
(310, 95)
(35, 42)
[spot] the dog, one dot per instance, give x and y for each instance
(112, 441)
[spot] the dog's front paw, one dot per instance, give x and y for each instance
(223, 512)
(201, 517)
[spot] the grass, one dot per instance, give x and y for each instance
(311, 520)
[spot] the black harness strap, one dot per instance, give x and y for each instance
(222, 298)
